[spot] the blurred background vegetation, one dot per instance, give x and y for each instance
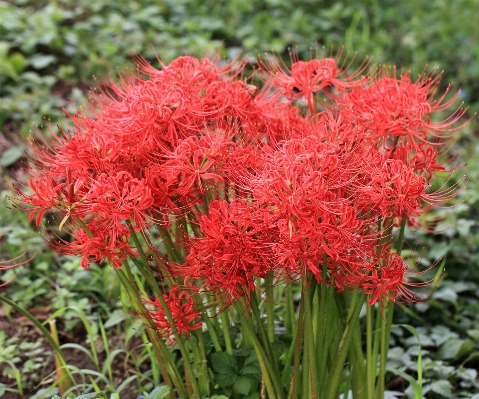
(50, 52)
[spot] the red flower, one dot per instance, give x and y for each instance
(234, 250)
(308, 77)
(118, 198)
(181, 306)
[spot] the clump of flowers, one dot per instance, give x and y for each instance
(219, 189)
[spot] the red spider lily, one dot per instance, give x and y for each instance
(396, 190)
(118, 198)
(390, 280)
(181, 306)
(264, 187)
(234, 251)
(391, 108)
(307, 78)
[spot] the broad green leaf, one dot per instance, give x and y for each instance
(92, 395)
(446, 294)
(225, 380)
(252, 358)
(251, 369)
(243, 385)
(455, 347)
(467, 374)
(442, 387)
(115, 318)
(8, 69)
(441, 334)
(18, 61)
(41, 61)
(12, 155)
(159, 392)
(474, 334)
(223, 363)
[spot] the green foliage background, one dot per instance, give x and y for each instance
(50, 51)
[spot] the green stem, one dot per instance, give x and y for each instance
(401, 236)
(200, 354)
(358, 366)
(263, 336)
(212, 332)
(293, 393)
(273, 386)
(225, 325)
(269, 304)
(285, 377)
(290, 320)
(338, 361)
(310, 365)
(161, 351)
(376, 340)
(386, 324)
(370, 361)
(154, 285)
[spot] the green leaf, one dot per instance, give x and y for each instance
(474, 334)
(12, 155)
(223, 363)
(467, 374)
(252, 358)
(414, 384)
(8, 69)
(159, 392)
(3, 389)
(243, 385)
(41, 61)
(442, 387)
(92, 395)
(251, 367)
(219, 397)
(454, 347)
(18, 61)
(225, 380)
(446, 294)
(115, 318)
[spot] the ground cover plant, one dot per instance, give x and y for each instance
(41, 91)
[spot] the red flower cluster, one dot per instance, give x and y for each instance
(267, 185)
(180, 306)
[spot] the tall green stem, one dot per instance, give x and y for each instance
(269, 304)
(310, 366)
(225, 326)
(338, 362)
(263, 336)
(370, 362)
(273, 384)
(386, 324)
(161, 352)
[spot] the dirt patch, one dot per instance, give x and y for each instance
(36, 361)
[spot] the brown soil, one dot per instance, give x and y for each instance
(15, 325)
